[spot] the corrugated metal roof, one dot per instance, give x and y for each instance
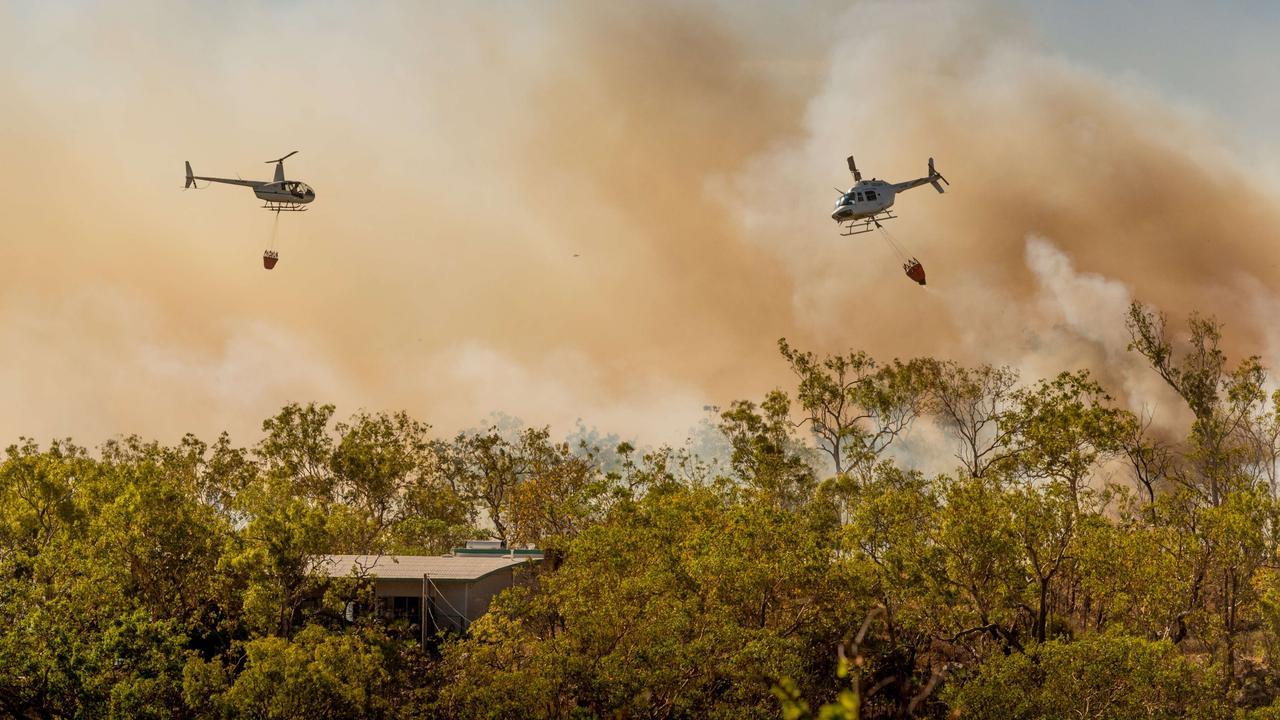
(413, 567)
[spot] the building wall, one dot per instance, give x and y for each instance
(455, 604)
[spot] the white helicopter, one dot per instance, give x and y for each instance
(862, 208)
(280, 195)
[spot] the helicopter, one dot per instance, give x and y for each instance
(868, 202)
(863, 206)
(279, 194)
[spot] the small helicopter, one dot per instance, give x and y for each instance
(280, 195)
(868, 202)
(862, 208)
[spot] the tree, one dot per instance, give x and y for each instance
(38, 494)
(1224, 402)
(391, 488)
(1130, 575)
(319, 674)
(562, 495)
(1060, 429)
(297, 451)
(765, 454)
(1043, 526)
(273, 564)
(685, 603)
(1224, 499)
(854, 407)
(81, 637)
(970, 403)
(890, 541)
(486, 469)
(982, 569)
(1102, 676)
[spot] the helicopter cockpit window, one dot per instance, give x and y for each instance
(859, 197)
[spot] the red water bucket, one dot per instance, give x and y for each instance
(915, 270)
(269, 259)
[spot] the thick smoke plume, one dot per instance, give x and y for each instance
(577, 210)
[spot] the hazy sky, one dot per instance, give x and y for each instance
(464, 153)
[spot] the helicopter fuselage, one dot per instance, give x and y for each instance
(867, 198)
(285, 191)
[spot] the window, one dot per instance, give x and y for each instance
(871, 194)
(859, 197)
(403, 608)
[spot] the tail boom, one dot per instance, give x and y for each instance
(931, 179)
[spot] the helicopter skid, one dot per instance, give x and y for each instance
(284, 207)
(866, 225)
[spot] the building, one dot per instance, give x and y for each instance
(450, 591)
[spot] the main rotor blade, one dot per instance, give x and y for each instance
(853, 168)
(286, 157)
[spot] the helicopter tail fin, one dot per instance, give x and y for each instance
(190, 180)
(935, 176)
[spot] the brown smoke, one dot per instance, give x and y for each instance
(464, 155)
(1071, 196)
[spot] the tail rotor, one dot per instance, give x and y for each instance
(935, 176)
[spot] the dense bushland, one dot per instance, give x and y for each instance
(1072, 563)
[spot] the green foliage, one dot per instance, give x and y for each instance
(1109, 676)
(766, 456)
(318, 674)
(687, 602)
(1059, 429)
(135, 584)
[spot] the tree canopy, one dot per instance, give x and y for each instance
(1075, 560)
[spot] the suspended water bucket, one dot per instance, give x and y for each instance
(914, 270)
(269, 259)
